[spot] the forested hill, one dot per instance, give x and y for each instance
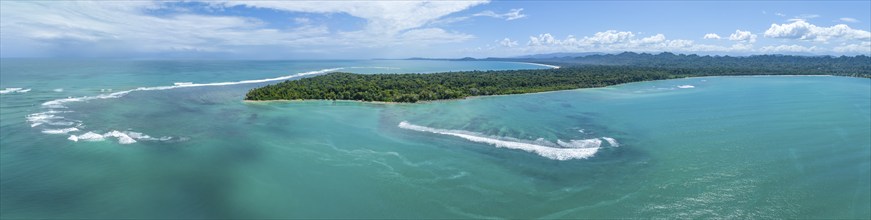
(453, 85)
(842, 65)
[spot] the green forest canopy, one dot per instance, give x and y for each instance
(575, 74)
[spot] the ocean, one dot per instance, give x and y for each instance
(173, 139)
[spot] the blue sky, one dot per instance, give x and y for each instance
(399, 29)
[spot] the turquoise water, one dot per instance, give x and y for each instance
(728, 147)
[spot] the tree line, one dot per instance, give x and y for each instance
(454, 85)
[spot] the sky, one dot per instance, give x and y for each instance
(437, 29)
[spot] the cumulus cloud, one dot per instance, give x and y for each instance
(805, 31)
(510, 15)
(711, 36)
(613, 40)
(851, 20)
(743, 36)
(857, 48)
(608, 37)
(655, 39)
(787, 48)
(507, 42)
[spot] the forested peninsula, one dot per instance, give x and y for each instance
(576, 73)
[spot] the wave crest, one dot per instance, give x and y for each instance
(51, 116)
(573, 149)
(15, 90)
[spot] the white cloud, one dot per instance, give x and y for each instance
(388, 17)
(780, 14)
(851, 20)
(655, 39)
(743, 36)
(613, 41)
(510, 15)
(513, 14)
(609, 37)
(542, 39)
(679, 44)
(127, 27)
(858, 48)
(788, 48)
(711, 36)
(507, 42)
(805, 31)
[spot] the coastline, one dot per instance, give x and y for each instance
(541, 64)
(328, 100)
(531, 93)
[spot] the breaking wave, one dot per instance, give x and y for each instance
(686, 86)
(59, 102)
(60, 131)
(572, 149)
(611, 141)
(52, 117)
(15, 90)
(126, 137)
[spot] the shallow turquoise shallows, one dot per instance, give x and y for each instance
(74, 143)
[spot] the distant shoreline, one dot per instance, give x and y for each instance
(541, 64)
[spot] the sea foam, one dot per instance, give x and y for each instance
(50, 117)
(611, 141)
(90, 136)
(59, 131)
(122, 137)
(573, 149)
(15, 90)
(686, 86)
(58, 103)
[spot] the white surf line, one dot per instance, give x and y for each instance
(15, 90)
(611, 141)
(373, 67)
(50, 117)
(58, 103)
(573, 149)
(540, 64)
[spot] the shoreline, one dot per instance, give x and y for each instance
(531, 93)
(541, 64)
(329, 100)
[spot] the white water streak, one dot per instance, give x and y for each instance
(574, 149)
(15, 90)
(544, 65)
(50, 117)
(59, 102)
